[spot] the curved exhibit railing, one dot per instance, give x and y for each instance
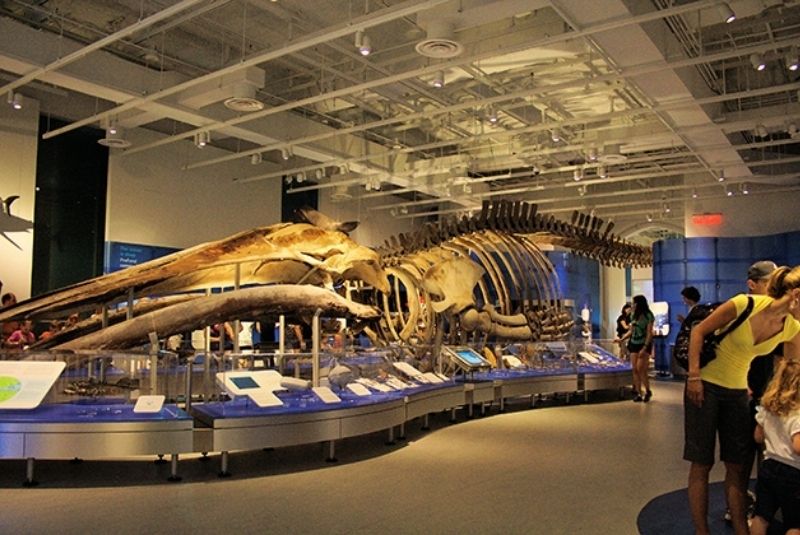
(113, 406)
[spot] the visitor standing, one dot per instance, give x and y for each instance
(640, 344)
(690, 296)
(716, 399)
(623, 326)
(778, 485)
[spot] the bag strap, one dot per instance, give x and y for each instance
(739, 320)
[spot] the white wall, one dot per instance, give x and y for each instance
(18, 142)
(153, 201)
(746, 215)
(375, 226)
(612, 284)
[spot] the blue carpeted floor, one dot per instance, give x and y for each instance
(668, 514)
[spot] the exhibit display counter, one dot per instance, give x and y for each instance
(111, 405)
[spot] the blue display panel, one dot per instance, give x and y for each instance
(244, 382)
(120, 255)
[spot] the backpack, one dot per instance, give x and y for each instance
(680, 351)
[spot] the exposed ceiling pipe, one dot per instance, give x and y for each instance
(511, 133)
(340, 30)
(579, 206)
(636, 70)
(424, 71)
(116, 36)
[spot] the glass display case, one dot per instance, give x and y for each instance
(91, 405)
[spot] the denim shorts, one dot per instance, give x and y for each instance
(724, 411)
(778, 487)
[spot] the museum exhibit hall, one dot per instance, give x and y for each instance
(348, 266)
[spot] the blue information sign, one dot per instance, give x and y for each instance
(120, 255)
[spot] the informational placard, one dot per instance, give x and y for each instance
(258, 385)
(24, 384)
(120, 255)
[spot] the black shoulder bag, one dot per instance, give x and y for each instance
(711, 341)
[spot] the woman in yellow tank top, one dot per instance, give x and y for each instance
(716, 397)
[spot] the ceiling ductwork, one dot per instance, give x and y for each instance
(243, 99)
(114, 139)
(236, 90)
(440, 41)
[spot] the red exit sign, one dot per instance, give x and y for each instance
(707, 219)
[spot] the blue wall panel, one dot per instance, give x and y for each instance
(717, 267)
(579, 278)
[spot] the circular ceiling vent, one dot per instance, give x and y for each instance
(439, 47)
(340, 194)
(114, 143)
(440, 41)
(243, 104)
(114, 139)
(611, 155)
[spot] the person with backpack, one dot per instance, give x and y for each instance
(716, 398)
(690, 296)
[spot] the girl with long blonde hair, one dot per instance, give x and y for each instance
(778, 418)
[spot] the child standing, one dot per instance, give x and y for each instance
(778, 418)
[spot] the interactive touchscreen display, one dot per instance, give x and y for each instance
(471, 357)
(244, 382)
(467, 358)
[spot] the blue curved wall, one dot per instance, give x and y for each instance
(715, 266)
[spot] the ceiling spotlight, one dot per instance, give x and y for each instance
(363, 43)
(256, 158)
(393, 212)
(286, 153)
(15, 100)
(728, 191)
(757, 61)
(492, 115)
(301, 177)
(761, 131)
(201, 139)
(791, 129)
(467, 189)
(344, 169)
(438, 79)
(602, 172)
(694, 193)
(376, 184)
(592, 154)
(577, 174)
(555, 135)
(792, 60)
(721, 175)
(112, 127)
(744, 189)
(535, 170)
(404, 210)
(667, 209)
(726, 12)
(582, 191)
(288, 179)
(319, 173)
(649, 218)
